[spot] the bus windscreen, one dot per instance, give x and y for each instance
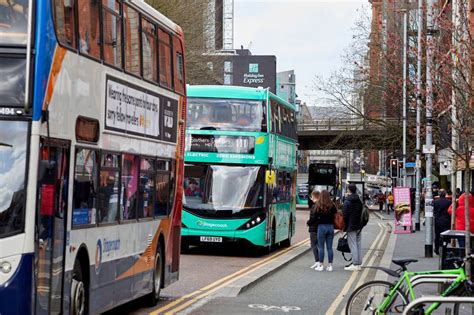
(13, 22)
(225, 114)
(13, 148)
(221, 188)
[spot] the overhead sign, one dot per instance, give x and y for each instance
(134, 110)
(255, 71)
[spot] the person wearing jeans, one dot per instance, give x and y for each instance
(352, 211)
(326, 237)
(324, 217)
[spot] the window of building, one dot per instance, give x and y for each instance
(162, 205)
(89, 31)
(165, 58)
(178, 65)
(64, 22)
(227, 79)
(150, 58)
(108, 191)
(112, 28)
(147, 188)
(129, 193)
(228, 66)
(85, 186)
(132, 40)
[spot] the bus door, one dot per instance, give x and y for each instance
(52, 200)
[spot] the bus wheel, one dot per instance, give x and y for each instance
(79, 294)
(287, 242)
(157, 276)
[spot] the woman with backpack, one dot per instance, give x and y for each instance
(325, 212)
(313, 228)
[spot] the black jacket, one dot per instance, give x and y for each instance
(440, 210)
(317, 218)
(352, 211)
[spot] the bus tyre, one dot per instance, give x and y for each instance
(79, 291)
(154, 296)
(287, 242)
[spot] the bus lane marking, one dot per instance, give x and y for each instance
(223, 281)
(267, 308)
(333, 307)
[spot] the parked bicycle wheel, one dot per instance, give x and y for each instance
(366, 298)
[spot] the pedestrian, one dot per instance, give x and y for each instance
(449, 194)
(325, 211)
(390, 200)
(352, 211)
(312, 224)
(381, 200)
(442, 219)
(460, 223)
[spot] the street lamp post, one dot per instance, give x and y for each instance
(418, 118)
(405, 29)
(429, 130)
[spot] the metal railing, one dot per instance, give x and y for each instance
(439, 299)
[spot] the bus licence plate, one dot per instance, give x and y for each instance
(211, 239)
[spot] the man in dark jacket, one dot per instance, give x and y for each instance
(441, 217)
(352, 211)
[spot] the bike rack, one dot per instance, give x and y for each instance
(422, 279)
(440, 299)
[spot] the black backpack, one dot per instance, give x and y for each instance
(364, 216)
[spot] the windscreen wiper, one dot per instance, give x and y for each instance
(5, 145)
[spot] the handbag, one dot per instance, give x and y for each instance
(339, 221)
(343, 247)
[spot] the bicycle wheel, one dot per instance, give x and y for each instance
(366, 298)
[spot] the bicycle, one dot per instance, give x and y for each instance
(383, 297)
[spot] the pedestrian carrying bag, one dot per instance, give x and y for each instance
(339, 221)
(343, 247)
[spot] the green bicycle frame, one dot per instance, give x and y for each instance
(406, 279)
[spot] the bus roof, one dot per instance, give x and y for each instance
(236, 92)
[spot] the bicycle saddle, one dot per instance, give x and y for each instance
(404, 262)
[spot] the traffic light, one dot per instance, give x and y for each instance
(394, 168)
(400, 168)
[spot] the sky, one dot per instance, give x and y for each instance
(308, 36)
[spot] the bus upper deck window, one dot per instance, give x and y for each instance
(64, 22)
(132, 40)
(89, 28)
(112, 33)
(165, 58)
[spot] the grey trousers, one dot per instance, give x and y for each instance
(354, 240)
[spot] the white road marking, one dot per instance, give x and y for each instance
(267, 308)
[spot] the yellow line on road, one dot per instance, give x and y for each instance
(207, 293)
(245, 270)
(332, 309)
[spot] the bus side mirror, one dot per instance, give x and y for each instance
(270, 177)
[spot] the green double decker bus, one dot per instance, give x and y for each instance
(240, 167)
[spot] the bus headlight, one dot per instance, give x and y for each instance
(254, 221)
(5, 267)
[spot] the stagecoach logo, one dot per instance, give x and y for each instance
(211, 225)
(98, 256)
